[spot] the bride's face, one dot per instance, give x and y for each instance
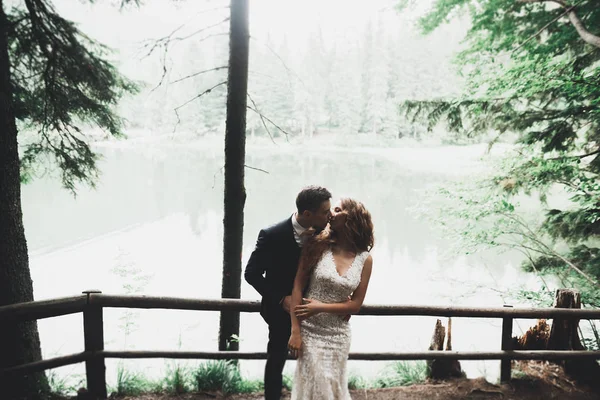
(338, 217)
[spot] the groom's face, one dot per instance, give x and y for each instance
(320, 217)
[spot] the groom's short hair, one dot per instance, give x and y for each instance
(311, 197)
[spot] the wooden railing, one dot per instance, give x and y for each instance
(92, 303)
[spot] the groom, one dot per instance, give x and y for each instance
(271, 270)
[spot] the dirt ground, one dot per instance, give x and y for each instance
(539, 381)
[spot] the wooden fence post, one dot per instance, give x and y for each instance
(505, 364)
(93, 331)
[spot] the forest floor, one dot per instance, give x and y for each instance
(533, 380)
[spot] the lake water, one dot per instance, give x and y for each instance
(153, 226)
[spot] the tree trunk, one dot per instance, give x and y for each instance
(235, 193)
(19, 343)
(564, 336)
(443, 369)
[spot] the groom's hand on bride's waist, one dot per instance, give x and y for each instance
(285, 303)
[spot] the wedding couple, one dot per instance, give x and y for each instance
(312, 271)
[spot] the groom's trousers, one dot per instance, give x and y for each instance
(277, 353)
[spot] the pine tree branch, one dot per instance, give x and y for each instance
(573, 186)
(207, 91)
(246, 166)
(199, 73)
(200, 31)
(533, 237)
(164, 71)
(273, 123)
(256, 169)
(215, 176)
(166, 40)
(593, 153)
(288, 69)
(200, 95)
(580, 156)
(262, 117)
(542, 29)
(159, 42)
(532, 261)
(37, 26)
(586, 35)
(164, 61)
(126, 2)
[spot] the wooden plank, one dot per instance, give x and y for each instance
(40, 309)
(47, 364)
(223, 355)
(505, 364)
(68, 305)
(477, 312)
(175, 303)
(93, 331)
(427, 355)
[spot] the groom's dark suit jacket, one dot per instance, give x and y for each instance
(272, 267)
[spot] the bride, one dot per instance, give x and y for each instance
(336, 265)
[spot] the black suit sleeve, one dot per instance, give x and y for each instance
(260, 261)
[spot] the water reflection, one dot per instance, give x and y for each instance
(157, 213)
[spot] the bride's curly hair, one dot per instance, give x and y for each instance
(358, 228)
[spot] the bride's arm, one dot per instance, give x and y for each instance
(312, 307)
(295, 342)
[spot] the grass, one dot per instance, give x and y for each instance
(357, 382)
(225, 377)
(403, 373)
(288, 381)
(178, 379)
(62, 386)
(132, 383)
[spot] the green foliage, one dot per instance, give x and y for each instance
(589, 264)
(442, 13)
(178, 379)
(403, 373)
(288, 381)
(481, 215)
(62, 386)
(223, 376)
(131, 383)
(212, 376)
(543, 298)
(357, 382)
(529, 73)
(61, 82)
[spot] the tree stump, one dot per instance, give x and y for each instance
(564, 336)
(536, 337)
(443, 369)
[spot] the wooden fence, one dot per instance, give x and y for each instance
(92, 303)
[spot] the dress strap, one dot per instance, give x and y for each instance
(364, 255)
(361, 258)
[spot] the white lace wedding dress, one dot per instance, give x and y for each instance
(321, 368)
